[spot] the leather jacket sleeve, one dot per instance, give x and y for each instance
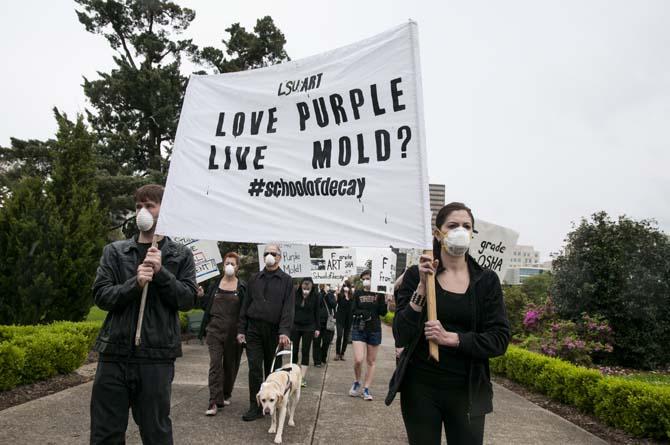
(107, 295)
(178, 292)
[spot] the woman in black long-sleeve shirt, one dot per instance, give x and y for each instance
(305, 323)
(343, 314)
(455, 392)
(366, 335)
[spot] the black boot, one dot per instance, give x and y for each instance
(253, 413)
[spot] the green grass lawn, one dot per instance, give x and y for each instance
(651, 377)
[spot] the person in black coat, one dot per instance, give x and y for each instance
(455, 392)
(222, 304)
(305, 323)
(321, 344)
(343, 319)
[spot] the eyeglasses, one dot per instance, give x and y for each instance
(274, 254)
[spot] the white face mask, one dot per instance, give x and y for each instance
(366, 283)
(270, 260)
(457, 241)
(345, 288)
(229, 270)
(327, 288)
(144, 220)
(305, 292)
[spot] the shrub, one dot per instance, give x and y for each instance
(388, 318)
(639, 408)
(11, 362)
(37, 352)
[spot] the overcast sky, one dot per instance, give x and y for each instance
(537, 112)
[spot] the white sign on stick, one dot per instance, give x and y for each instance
(383, 270)
(291, 148)
(492, 246)
(206, 255)
(295, 260)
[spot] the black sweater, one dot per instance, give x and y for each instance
(369, 305)
(343, 312)
(327, 305)
(306, 311)
(489, 335)
(270, 299)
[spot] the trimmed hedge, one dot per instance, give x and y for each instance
(37, 352)
(639, 408)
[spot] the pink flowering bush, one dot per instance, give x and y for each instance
(589, 338)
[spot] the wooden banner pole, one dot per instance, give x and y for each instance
(143, 302)
(432, 310)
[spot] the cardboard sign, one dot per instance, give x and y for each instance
(206, 255)
(492, 246)
(295, 260)
(291, 148)
(335, 266)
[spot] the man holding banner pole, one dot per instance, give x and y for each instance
(266, 319)
(130, 375)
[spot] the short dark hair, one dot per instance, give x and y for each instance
(150, 192)
(366, 272)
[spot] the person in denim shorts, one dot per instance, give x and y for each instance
(366, 335)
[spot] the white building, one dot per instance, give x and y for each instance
(524, 256)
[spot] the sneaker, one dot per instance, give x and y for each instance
(337, 358)
(355, 390)
(366, 394)
(252, 414)
(318, 365)
(303, 383)
(226, 402)
(211, 411)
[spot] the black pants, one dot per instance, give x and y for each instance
(306, 337)
(343, 333)
(144, 388)
(426, 408)
(321, 345)
(262, 339)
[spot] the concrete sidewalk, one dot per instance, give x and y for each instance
(326, 413)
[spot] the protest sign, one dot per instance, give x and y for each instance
(206, 255)
(382, 265)
(307, 151)
(334, 267)
(295, 260)
(492, 246)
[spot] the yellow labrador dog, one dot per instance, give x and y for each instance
(280, 392)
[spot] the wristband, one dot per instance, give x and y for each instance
(418, 299)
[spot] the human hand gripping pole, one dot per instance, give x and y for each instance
(433, 349)
(143, 302)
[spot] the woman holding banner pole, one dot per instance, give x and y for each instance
(455, 392)
(366, 335)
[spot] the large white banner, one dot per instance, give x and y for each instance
(492, 246)
(206, 255)
(328, 150)
(295, 260)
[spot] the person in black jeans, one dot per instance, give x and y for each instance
(366, 335)
(266, 318)
(130, 376)
(322, 343)
(455, 392)
(222, 304)
(305, 323)
(343, 319)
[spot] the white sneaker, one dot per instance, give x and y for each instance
(226, 402)
(211, 411)
(355, 390)
(366, 394)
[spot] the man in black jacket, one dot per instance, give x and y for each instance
(139, 377)
(266, 318)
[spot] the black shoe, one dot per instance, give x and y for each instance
(253, 414)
